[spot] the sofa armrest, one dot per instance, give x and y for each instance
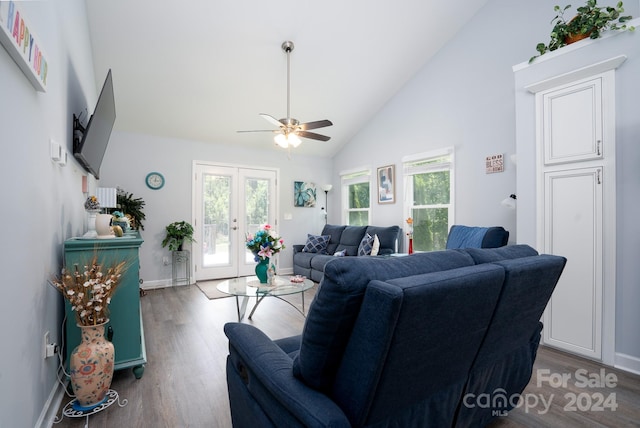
(266, 363)
(297, 248)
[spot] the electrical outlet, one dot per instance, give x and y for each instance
(51, 350)
(45, 344)
(165, 261)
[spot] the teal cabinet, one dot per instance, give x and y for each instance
(125, 317)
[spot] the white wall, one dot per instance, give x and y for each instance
(42, 202)
(130, 157)
(465, 97)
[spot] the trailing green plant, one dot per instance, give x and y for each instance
(178, 233)
(590, 21)
(131, 207)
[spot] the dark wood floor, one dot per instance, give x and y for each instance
(184, 381)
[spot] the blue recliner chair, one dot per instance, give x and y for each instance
(398, 342)
(476, 237)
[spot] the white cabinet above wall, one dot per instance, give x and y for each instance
(572, 117)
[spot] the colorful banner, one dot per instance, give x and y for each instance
(18, 38)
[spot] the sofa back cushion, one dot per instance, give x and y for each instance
(337, 303)
(413, 344)
(505, 360)
(335, 231)
(476, 237)
(390, 238)
(350, 239)
(508, 252)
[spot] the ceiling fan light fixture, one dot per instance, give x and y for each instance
(281, 140)
(294, 140)
(285, 141)
(291, 129)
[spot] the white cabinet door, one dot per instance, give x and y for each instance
(573, 122)
(573, 213)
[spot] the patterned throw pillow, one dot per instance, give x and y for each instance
(364, 249)
(316, 244)
(376, 245)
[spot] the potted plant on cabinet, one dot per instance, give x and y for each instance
(590, 21)
(178, 233)
(131, 207)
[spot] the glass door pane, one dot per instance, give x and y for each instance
(217, 217)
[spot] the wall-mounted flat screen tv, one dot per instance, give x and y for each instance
(90, 142)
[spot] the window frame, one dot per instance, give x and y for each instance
(410, 168)
(348, 178)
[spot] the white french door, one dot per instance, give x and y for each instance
(229, 202)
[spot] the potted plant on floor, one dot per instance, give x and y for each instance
(590, 21)
(178, 233)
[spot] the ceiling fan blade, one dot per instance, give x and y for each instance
(313, 136)
(314, 125)
(272, 120)
(261, 130)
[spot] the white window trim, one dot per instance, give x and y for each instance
(354, 176)
(408, 172)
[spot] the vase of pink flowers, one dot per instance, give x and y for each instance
(264, 244)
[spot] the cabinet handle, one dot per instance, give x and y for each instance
(598, 177)
(598, 144)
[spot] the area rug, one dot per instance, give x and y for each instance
(209, 289)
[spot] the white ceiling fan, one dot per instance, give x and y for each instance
(289, 129)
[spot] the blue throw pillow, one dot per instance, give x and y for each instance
(316, 244)
(364, 249)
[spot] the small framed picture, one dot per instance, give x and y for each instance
(387, 184)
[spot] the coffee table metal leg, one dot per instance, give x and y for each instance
(243, 309)
(258, 300)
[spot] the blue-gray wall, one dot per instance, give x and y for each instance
(41, 202)
(464, 97)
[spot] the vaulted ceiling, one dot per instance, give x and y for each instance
(204, 69)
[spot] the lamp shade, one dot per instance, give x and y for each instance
(285, 141)
(509, 202)
(327, 187)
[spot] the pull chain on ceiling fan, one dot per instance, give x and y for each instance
(290, 129)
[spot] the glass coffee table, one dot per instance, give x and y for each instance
(249, 286)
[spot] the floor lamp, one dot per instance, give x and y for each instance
(326, 188)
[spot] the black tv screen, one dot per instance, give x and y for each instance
(89, 148)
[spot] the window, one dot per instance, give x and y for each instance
(356, 197)
(429, 199)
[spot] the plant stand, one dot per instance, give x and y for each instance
(71, 411)
(181, 268)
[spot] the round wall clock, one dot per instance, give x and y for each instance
(154, 180)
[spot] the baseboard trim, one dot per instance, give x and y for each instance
(50, 410)
(627, 363)
(161, 283)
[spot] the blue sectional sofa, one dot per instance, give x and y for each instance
(347, 239)
(400, 342)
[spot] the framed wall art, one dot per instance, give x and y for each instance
(304, 194)
(387, 184)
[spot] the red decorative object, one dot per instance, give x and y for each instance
(410, 245)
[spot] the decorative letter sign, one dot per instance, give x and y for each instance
(494, 163)
(18, 39)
